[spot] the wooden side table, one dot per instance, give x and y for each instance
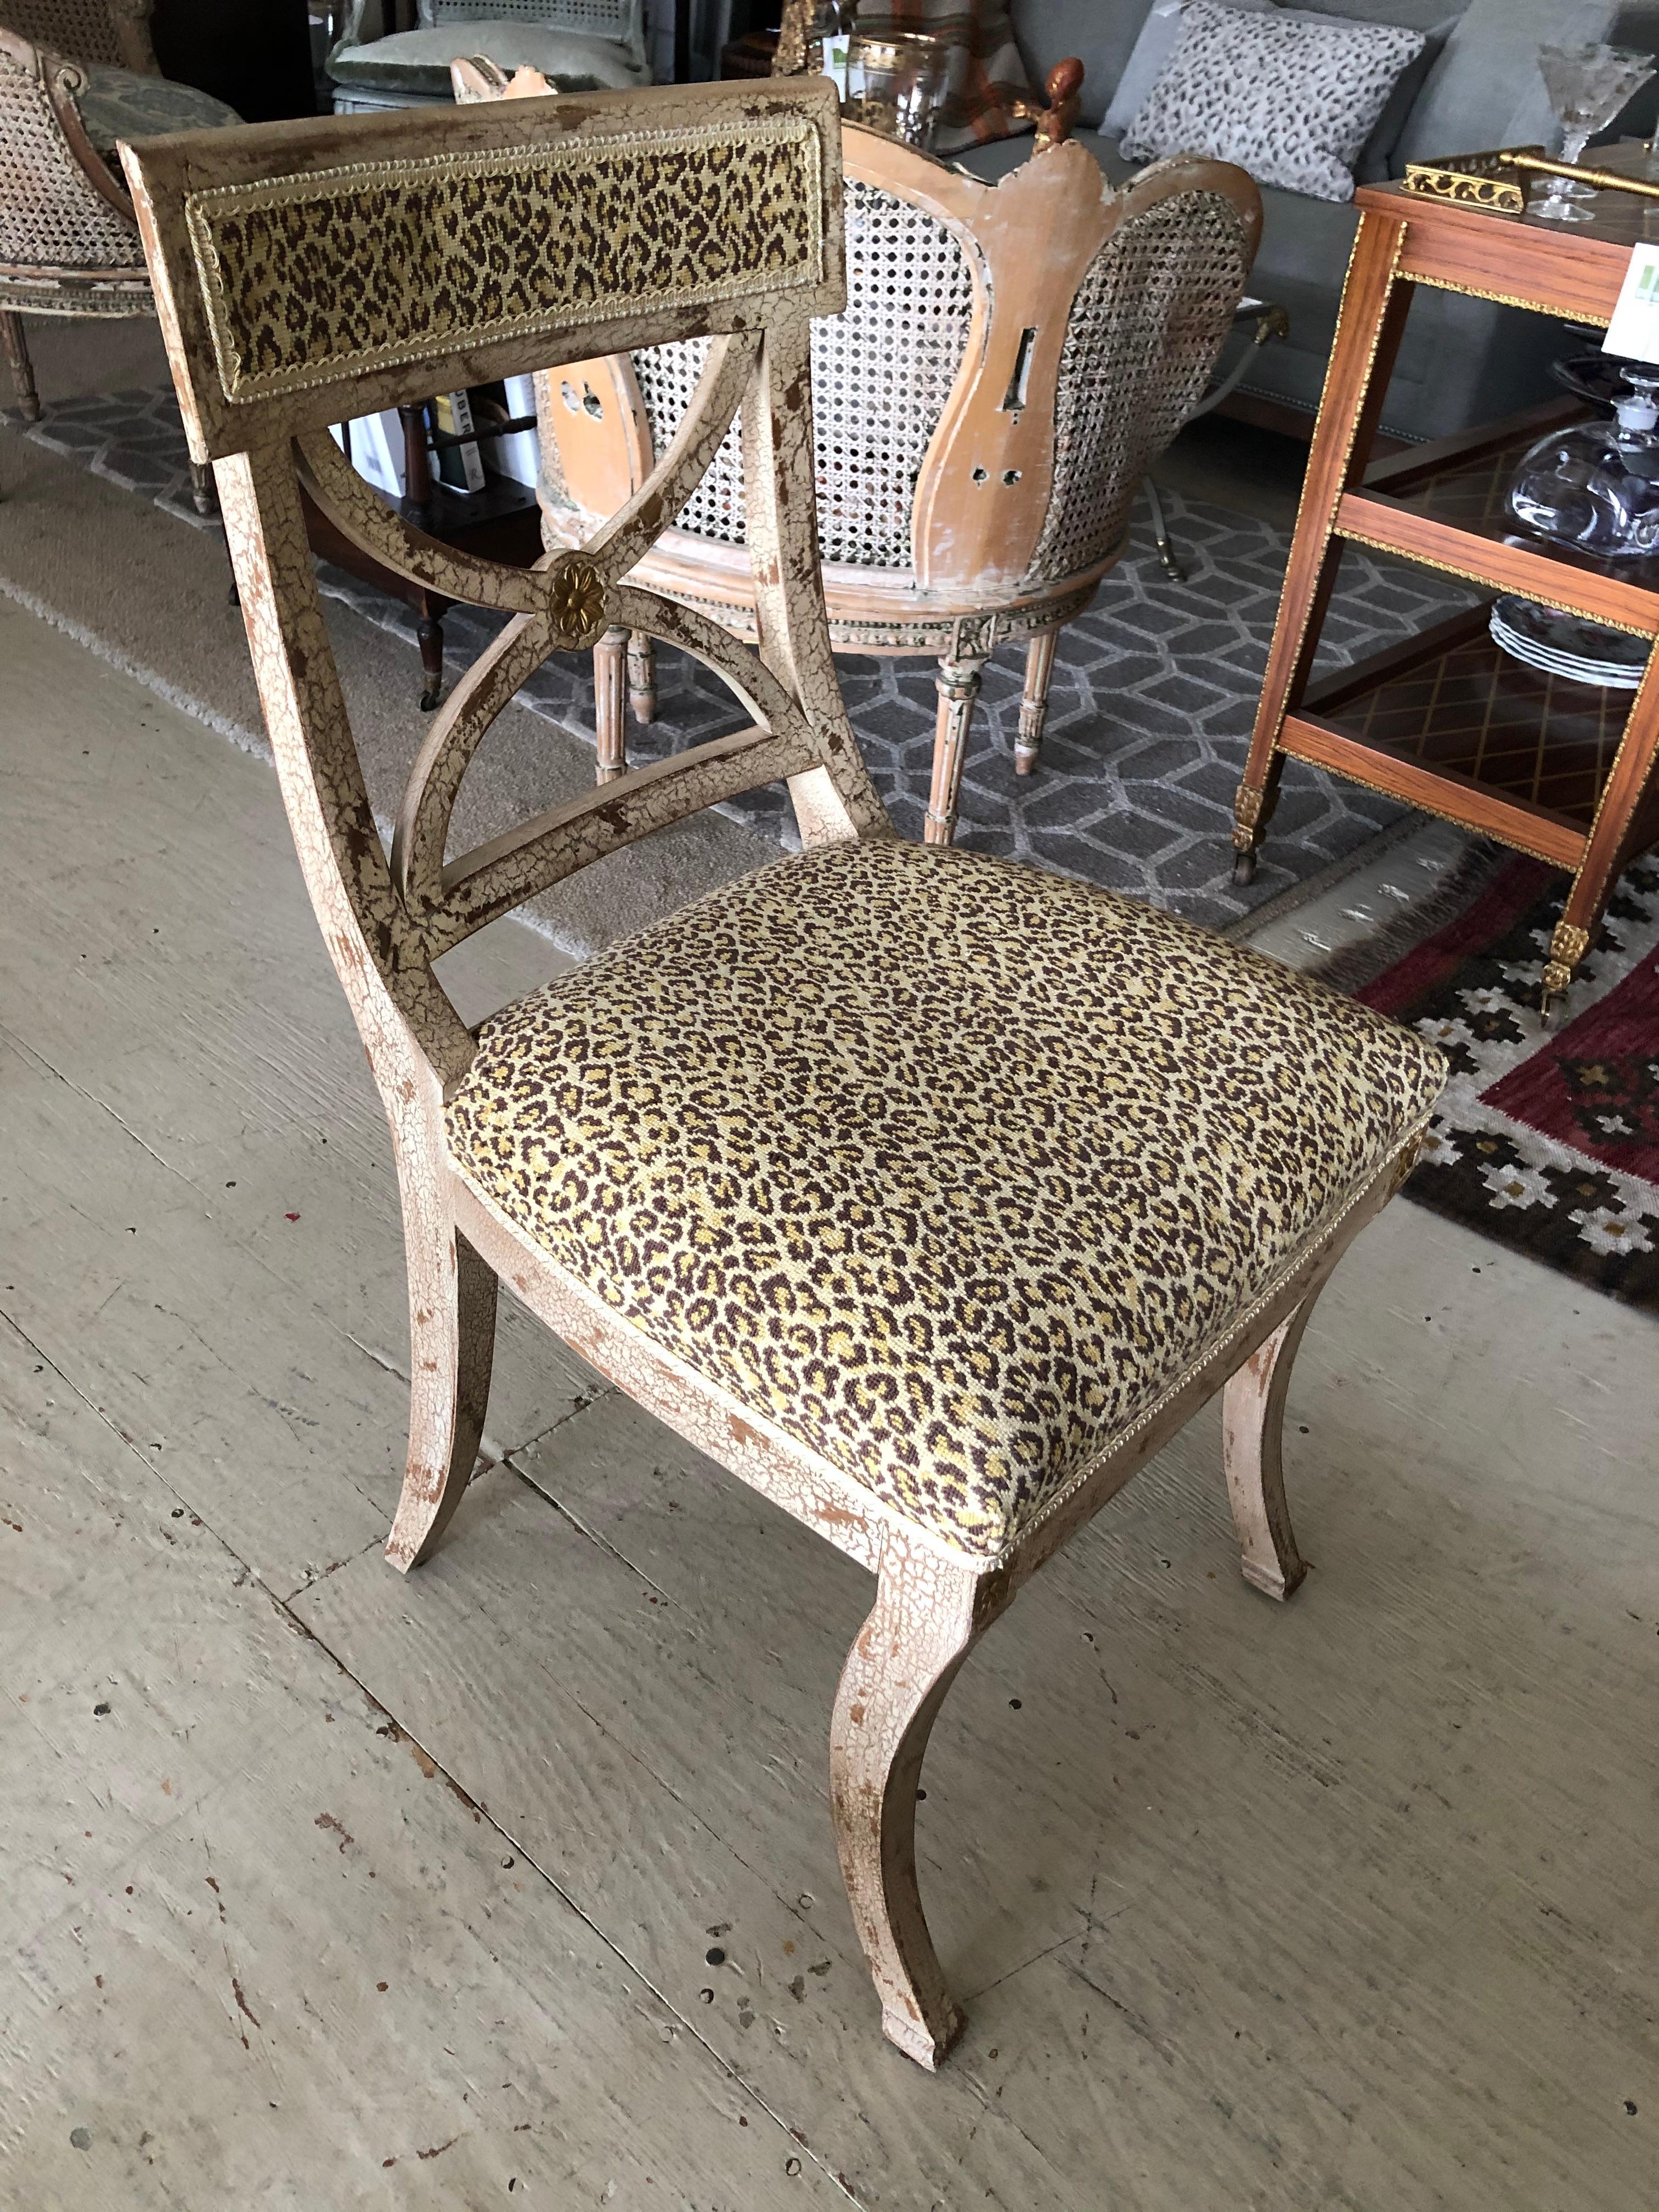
(1449, 722)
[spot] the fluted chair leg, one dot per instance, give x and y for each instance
(23, 369)
(958, 686)
(642, 677)
(1169, 558)
(609, 728)
(1034, 705)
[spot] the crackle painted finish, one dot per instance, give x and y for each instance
(260, 377)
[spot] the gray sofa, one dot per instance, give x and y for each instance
(1463, 360)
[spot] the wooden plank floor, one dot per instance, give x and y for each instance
(327, 1888)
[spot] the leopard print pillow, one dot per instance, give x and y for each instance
(1288, 96)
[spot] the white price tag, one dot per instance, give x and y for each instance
(1634, 330)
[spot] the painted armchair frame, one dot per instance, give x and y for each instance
(235, 227)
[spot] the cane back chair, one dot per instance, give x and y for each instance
(115, 33)
(1013, 359)
(69, 245)
(928, 1192)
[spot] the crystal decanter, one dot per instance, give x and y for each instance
(1596, 486)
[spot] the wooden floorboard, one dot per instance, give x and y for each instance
(1344, 1904)
(266, 1954)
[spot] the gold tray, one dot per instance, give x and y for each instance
(1496, 181)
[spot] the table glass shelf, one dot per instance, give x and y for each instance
(1473, 711)
(1473, 496)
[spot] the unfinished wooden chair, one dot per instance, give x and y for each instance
(926, 1192)
(1013, 359)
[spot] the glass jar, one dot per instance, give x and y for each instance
(1596, 486)
(895, 85)
(822, 25)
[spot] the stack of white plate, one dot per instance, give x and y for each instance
(1567, 644)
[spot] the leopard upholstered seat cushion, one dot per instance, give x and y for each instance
(947, 1167)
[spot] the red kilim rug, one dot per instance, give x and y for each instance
(1545, 1141)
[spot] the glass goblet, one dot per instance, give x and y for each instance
(1586, 85)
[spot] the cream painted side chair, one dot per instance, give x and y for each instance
(69, 245)
(1012, 358)
(926, 1192)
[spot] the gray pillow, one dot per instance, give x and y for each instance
(121, 103)
(1485, 90)
(1289, 98)
(418, 60)
(1152, 50)
(1375, 163)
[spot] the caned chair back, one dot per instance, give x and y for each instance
(622, 21)
(1012, 359)
(63, 215)
(304, 273)
(112, 31)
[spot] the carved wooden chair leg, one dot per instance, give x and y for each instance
(1252, 1439)
(429, 634)
(1569, 943)
(203, 496)
(642, 676)
(12, 335)
(958, 686)
(609, 728)
(926, 1617)
(452, 1349)
(1169, 559)
(1034, 704)
(1252, 812)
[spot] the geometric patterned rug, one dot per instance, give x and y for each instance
(1548, 1144)
(1154, 691)
(1547, 1141)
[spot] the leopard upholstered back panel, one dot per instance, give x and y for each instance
(332, 259)
(307, 277)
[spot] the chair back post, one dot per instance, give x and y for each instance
(984, 484)
(988, 519)
(304, 273)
